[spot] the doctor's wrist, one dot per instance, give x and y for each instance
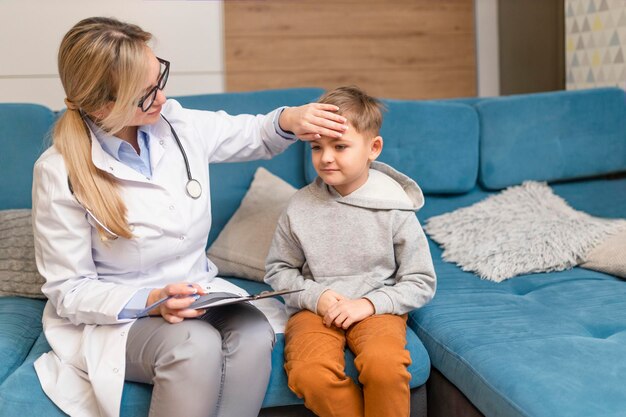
(154, 296)
(285, 120)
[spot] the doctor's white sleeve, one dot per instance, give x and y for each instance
(229, 138)
(63, 254)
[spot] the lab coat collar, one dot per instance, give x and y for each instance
(160, 137)
(105, 162)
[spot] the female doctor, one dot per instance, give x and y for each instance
(121, 215)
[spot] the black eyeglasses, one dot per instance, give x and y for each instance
(148, 100)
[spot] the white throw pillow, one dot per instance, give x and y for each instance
(242, 246)
(18, 271)
(521, 230)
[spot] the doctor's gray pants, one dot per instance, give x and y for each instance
(216, 366)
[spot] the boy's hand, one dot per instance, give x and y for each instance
(346, 312)
(313, 121)
(327, 299)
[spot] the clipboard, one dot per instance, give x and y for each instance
(224, 298)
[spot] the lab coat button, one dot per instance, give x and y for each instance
(172, 207)
(161, 142)
(182, 238)
(123, 334)
(115, 370)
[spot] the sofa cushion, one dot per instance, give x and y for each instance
(551, 136)
(21, 394)
(20, 325)
(435, 143)
(229, 182)
(23, 129)
(537, 345)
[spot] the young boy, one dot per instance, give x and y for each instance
(352, 242)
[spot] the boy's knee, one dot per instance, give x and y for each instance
(382, 366)
(312, 376)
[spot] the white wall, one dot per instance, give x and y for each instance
(487, 48)
(187, 33)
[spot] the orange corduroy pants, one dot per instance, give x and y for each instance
(314, 361)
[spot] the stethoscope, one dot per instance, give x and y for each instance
(193, 187)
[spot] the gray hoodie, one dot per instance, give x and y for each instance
(367, 244)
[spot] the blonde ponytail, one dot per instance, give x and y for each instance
(94, 188)
(101, 61)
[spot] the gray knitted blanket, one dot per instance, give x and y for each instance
(18, 271)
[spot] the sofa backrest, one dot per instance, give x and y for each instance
(433, 142)
(547, 136)
(551, 136)
(23, 130)
(230, 181)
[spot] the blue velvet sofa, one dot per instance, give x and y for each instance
(543, 345)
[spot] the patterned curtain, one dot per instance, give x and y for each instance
(595, 36)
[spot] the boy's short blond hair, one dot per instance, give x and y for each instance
(364, 112)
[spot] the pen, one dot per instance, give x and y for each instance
(145, 311)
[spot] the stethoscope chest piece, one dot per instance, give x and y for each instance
(194, 189)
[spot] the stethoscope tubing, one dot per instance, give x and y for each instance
(193, 186)
(180, 146)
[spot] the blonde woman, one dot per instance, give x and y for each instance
(121, 217)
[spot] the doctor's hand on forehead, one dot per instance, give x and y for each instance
(312, 121)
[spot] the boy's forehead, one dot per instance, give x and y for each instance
(346, 137)
(350, 135)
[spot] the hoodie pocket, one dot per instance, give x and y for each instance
(352, 286)
(374, 283)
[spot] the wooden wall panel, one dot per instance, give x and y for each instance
(395, 49)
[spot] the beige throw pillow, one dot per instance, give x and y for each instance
(18, 271)
(609, 256)
(242, 246)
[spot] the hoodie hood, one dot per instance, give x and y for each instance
(385, 189)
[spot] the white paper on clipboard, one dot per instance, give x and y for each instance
(215, 299)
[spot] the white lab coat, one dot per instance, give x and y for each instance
(89, 281)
